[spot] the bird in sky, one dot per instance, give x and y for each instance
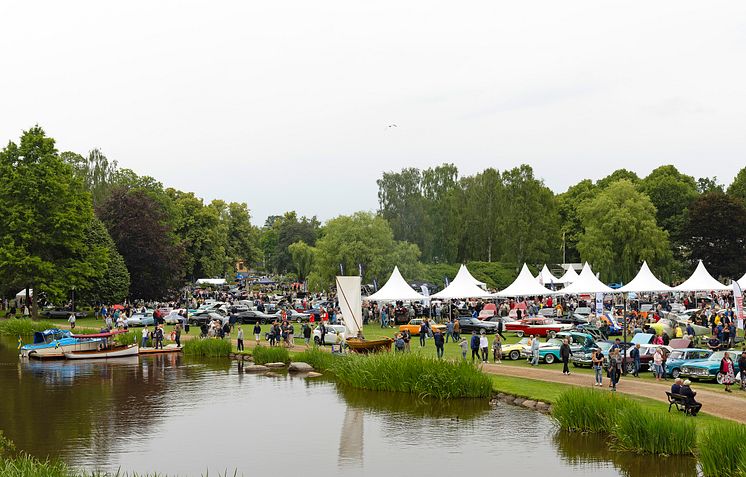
(393, 126)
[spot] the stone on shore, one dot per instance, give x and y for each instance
(542, 407)
(255, 368)
(300, 367)
(529, 404)
(313, 374)
(275, 365)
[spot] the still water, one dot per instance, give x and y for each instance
(179, 416)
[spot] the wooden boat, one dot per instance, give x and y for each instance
(105, 353)
(172, 348)
(359, 345)
(54, 343)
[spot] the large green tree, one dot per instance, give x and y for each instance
(96, 172)
(442, 195)
(716, 234)
(483, 208)
(113, 282)
(45, 213)
(572, 226)
(621, 232)
(738, 186)
(280, 232)
(401, 203)
(303, 256)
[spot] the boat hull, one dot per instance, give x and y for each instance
(166, 349)
(52, 352)
(369, 346)
(118, 352)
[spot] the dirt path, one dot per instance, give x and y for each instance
(716, 403)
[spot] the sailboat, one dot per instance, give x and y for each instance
(351, 304)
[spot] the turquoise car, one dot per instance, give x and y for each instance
(549, 352)
(684, 357)
(709, 369)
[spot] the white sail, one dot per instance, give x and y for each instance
(351, 304)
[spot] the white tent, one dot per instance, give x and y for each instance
(742, 282)
(524, 285)
(545, 277)
(701, 280)
(645, 281)
(585, 283)
(211, 281)
(21, 295)
(569, 277)
(395, 289)
(464, 285)
(467, 274)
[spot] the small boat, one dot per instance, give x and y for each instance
(172, 348)
(54, 343)
(360, 345)
(106, 349)
(350, 302)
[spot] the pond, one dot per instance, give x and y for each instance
(180, 416)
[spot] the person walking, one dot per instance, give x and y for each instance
(257, 332)
(497, 349)
(534, 351)
(71, 320)
(615, 368)
(177, 334)
(449, 331)
(239, 338)
(456, 329)
(565, 356)
(500, 329)
(474, 346)
(423, 333)
(597, 360)
(484, 346)
(727, 370)
(464, 348)
(634, 353)
(439, 343)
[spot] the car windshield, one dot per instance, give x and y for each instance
(605, 346)
(554, 342)
(676, 354)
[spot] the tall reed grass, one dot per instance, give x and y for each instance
(649, 432)
(24, 326)
(587, 410)
(412, 373)
(319, 360)
(270, 354)
(207, 347)
(722, 450)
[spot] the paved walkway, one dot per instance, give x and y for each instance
(716, 403)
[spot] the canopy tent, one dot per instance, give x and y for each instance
(524, 285)
(742, 281)
(464, 285)
(545, 277)
(585, 283)
(701, 280)
(645, 281)
(569, 277)
(21, 295)
(211, 281)
(395, 289)
(467, 274)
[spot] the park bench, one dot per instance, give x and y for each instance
(680, 402)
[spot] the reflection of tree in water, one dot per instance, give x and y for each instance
(63, 407)
(586, 449)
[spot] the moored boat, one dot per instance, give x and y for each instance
(350, 302)
(54, 343)
(105, 353)
(172, 348)
(360, 345)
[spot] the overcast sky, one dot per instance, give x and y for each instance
(285, 105)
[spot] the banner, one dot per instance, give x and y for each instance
(738, 301)
(426, 293)
(599, 303)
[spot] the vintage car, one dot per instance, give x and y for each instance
(414, 326)
(537, 327)
(549, 352)
(679, 358)
(516, 350)
(467, 324)
(330, 337)
(709, 369)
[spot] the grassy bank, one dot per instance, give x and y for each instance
(722, 450)
(24, 326)
(207, 347)
(270, 354)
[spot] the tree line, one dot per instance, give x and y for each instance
(69, 221)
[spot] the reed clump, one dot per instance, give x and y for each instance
(207, 347)
(270, 354)
(24, 326)
(722, 450)
(587, 410)
(414, 374)
(648, 432)
(319, 360)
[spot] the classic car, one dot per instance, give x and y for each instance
(537, 327)
(684, 357)
(330, 337)
(580, 343)
(516, 350)
(141, 319)
(709, 369)
(253, 317)
(62, 313)
(414, 326)
(467, 324)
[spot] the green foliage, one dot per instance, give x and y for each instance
(494, 274)
(44, 215)
(270, 354)
(23, 326)
(617, 175)
(706, 185)
(319, 360)
(207, 348)
(651, 432)
(622, 215)
(738, 186)
(280, 232)
(303, 256)
(587, 410)
(132, 336)
(414, 374)
(6, 446)
(96, 172)
(113, 281)
(716, 234)
(572, 225)
(722, 450)
(671, 192)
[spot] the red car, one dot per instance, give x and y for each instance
(537, 327)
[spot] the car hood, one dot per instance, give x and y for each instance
(700, 363)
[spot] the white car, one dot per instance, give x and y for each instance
(332, 331)
(174, 317)
(141, 319)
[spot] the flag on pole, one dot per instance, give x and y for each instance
(446, 280)
(20, 342)
(360, 269)
(341, 270)
(426, 293)
(738, 300)
(375, 283)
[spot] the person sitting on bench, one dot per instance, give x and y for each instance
(676, 386)
(687, 392)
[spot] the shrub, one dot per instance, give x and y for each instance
(652, 432)
(271, 354)
(24, 326)
(207, 347)
(587, 410)
(722, 450)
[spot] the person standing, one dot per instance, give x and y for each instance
(474, 346)
(144, 340)
(597, 360)
(534, 351)
(439, 342)
(497, 349)
(484, 346)
(449, 331)
(500, 329)
(71, 320)
(177, 334)
(257, 332)
(423, 333)
(159, 337)
(727, 370)
(464, 348)
(615, 368)
(307, 334)
(239, 338)
(634, 353)
(456, 329)
(407, 336)
(565, 356)
(742, 369)
(291, 335)
(658, 364)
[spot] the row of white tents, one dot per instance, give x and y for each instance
(464, 285)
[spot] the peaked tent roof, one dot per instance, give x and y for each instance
(545, 276)
(463, 286)
(395, 289)
(569, 277)
(524, 285)
(586, 283)
(701, 280)
(466, 273)
(742, 281)
(645, 281)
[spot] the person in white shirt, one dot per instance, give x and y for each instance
(71, 320)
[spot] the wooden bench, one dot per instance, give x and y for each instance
(680, 402)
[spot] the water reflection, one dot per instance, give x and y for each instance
(592, 450)
(351, 438)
